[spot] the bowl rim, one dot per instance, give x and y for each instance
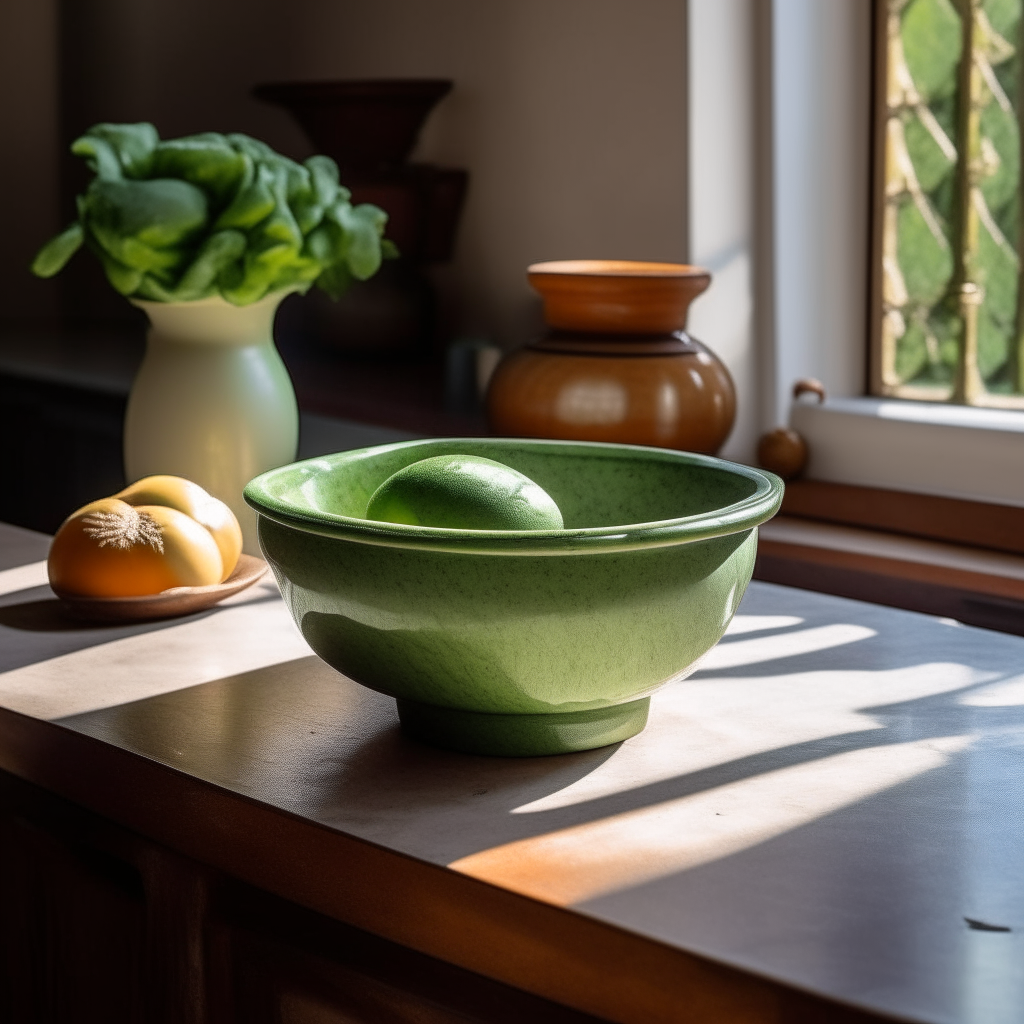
(742, 515)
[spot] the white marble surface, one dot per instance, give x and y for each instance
(827, 801)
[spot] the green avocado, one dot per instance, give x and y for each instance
(463, 492)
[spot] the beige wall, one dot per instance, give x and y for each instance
(569, 114)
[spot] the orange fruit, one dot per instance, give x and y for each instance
(185, 496)
(109, 548)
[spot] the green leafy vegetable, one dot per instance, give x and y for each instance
(210, 214)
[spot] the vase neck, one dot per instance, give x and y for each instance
(213, 321)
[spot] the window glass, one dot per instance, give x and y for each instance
(949, 322)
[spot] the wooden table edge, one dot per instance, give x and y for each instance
(552, 952)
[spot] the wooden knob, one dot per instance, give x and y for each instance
(783, 451)
(808, 385)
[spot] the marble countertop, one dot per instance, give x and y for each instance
(834, 801)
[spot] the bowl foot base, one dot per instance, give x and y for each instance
(475, 732)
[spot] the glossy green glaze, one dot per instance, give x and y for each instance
(524, 626)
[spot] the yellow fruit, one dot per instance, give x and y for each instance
(463, 492)
(190, 498)
(109, 548)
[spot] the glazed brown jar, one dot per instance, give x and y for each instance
(616, 363)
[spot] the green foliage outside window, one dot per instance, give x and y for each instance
(951, 297)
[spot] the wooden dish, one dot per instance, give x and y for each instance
(176, 601)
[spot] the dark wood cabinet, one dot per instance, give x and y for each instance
(60, 447)
(63, 400)
(100, 925)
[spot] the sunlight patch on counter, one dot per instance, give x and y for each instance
(23, 577)
(759, 623)
(625, 850)
(1001, 694)
(785, 645)
(701, 724)
(249, 631)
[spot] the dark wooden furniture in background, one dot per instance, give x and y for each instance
(60, 446)
(370, 128)
(63, 396)
(401, 393)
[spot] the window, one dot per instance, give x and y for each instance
(821, 164)
(948, 321)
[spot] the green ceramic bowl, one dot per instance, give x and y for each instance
(525, 642)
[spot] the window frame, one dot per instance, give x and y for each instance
(854, 437)
(879, 105)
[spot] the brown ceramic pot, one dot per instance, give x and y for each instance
(616, 363)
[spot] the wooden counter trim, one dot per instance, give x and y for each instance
(934, 575)
(966, 584)
(975, 523)
(944, 565)
(558, 954)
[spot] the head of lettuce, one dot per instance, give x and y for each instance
(184, 219)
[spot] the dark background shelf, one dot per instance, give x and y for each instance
(63, 397)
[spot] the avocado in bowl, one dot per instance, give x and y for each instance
(518, 642)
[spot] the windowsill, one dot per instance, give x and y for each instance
(922, 447)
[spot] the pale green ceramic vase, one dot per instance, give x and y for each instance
(212, 400)
(518, 643)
